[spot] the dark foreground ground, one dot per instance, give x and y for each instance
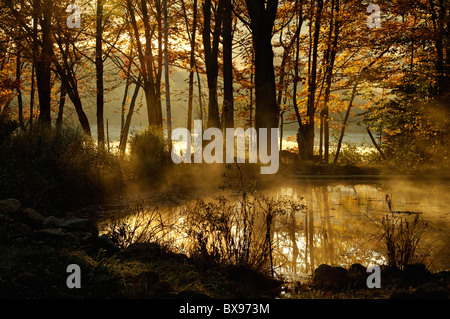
(35, 252)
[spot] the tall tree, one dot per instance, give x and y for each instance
(150, 69)
(166, 73)
(306, 132)
(99, 73)
(44, 13)
(192, 61)
(211, 51)
(228, 104)
(262, 18)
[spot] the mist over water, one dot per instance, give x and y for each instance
(341, 223)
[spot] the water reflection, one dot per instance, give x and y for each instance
(341, 223)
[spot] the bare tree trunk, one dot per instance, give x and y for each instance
(32, 93)
(329, 75)
(211, 54)
(297, 79)
(251, 90)
(375, 143)
(262, 19)
(350, 105)
(18, 89)
(43, 69)
(99, 74)
(62, 101)
(192, 63)
(166, 69)
(126, 128)
(307, 134)
(228, 104)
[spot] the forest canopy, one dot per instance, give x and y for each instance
(316, 65)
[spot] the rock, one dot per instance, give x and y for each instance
(431, 291)
(10, 206)
(326, 276)
(31, 217)
(192, 294)
(401, 294)
(416, 274)
(107, 244)
(80, 225)
(142, 251)
(443, 278)
(162, 287)
(357, 269)
(52, 222)
(23, 229)
(51, 233)
(149, 277)
(357, 275)
(178, 257)
(84, 238)
(27, 278)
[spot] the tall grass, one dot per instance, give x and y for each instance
(141, 223)
(235, 231)
(406, 238)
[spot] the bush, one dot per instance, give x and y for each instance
(57, 171)
(149, 153)
(140, 224)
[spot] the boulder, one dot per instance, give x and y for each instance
(10, 206)
(84, 238)
(52, 222)
(58, 235)
(328, 277)
(357, 275)
(80, 225)
(401, 294)
(142, 251)
(149, 277)
(51, 233)
(31, 217)
(107, 244)
(431, 291)
(192, 294)
(416, 274)
(23, 229)
(162, 287)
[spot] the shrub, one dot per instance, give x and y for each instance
(149, 153)
(56, 171)
(140, 224)
(236, 232)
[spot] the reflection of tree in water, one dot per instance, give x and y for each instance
(331, 229)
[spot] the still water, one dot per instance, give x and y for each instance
(341, 222)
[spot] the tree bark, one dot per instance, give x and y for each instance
(307, 133)
(43, 70)
(262, 21)
(192, 63)
(329, 75)
(126, 128)
(211, 54)
(62, 101)
(18, 88)
(228, 104)
(99, 74)
(166, 72)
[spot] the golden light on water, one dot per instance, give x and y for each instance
(340, 224)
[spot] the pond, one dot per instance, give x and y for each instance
(340, 223)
